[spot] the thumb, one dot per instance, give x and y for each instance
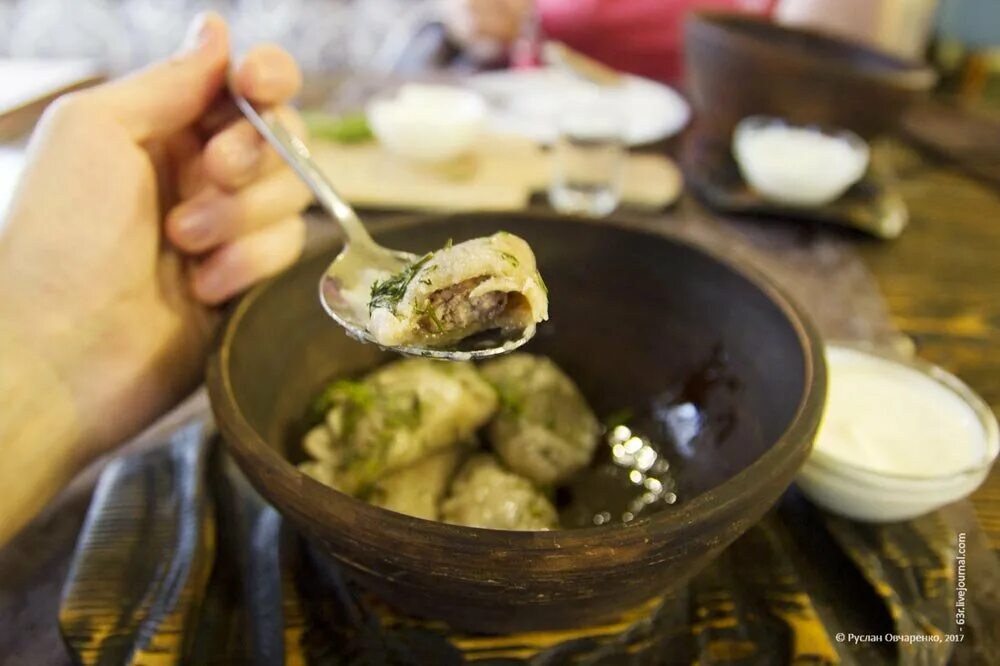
(170, 95)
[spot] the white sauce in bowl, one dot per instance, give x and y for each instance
(888, 417)
(798, 166)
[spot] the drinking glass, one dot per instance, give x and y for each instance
(588, 162)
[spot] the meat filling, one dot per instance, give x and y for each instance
(452, 309)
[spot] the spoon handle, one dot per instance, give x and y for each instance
(296, 155)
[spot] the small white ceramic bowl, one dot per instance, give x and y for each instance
(853, 490)
(428, 123)
(798, 166)
(879, 498)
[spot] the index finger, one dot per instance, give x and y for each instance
(268, 75)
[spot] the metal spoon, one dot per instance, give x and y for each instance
(363, 260)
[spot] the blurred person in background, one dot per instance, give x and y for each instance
(644, 37)
(145, 203)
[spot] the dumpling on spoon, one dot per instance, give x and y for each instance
(459, 291)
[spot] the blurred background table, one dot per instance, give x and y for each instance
(941, 282)
(940, 279)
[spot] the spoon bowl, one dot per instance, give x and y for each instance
(354, 271)
(347, 282)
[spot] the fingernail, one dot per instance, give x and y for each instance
(200, 33)
(194, 228)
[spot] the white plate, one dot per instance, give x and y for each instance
(529, 102)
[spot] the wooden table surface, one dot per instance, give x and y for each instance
(941, 281)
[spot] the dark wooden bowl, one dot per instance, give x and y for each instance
(634, 315)
(739, 66)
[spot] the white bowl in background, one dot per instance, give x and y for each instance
(428, 123)
(798, 166)
(867, 488)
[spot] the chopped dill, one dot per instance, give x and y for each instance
(434, 320)
(389, 292)
(511, 402)
(511, 259)
(403, 411)
(427, 310)
(352, 397)
(365, 460)
(449, 244)
(340, 391)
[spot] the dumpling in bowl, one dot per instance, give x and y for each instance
(393, 417)
(324, 456)
(461, 290)
(417, 490)
(544, 430)
(484, 494)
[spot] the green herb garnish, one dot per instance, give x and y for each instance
(403, 412)
(366, 459)
(511, 259)
(427, 310)
(389, 292)
(351, 398)
(350, 128)
(434, 320)
(341, 391)
(511, 401)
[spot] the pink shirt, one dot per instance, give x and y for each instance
(643, 37)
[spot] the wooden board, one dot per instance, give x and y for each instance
(502, 173)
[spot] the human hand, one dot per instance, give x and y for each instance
(145, 202)
(474, 23)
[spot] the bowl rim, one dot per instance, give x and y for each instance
(987, 420)
(713, 505)
(907, 73)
